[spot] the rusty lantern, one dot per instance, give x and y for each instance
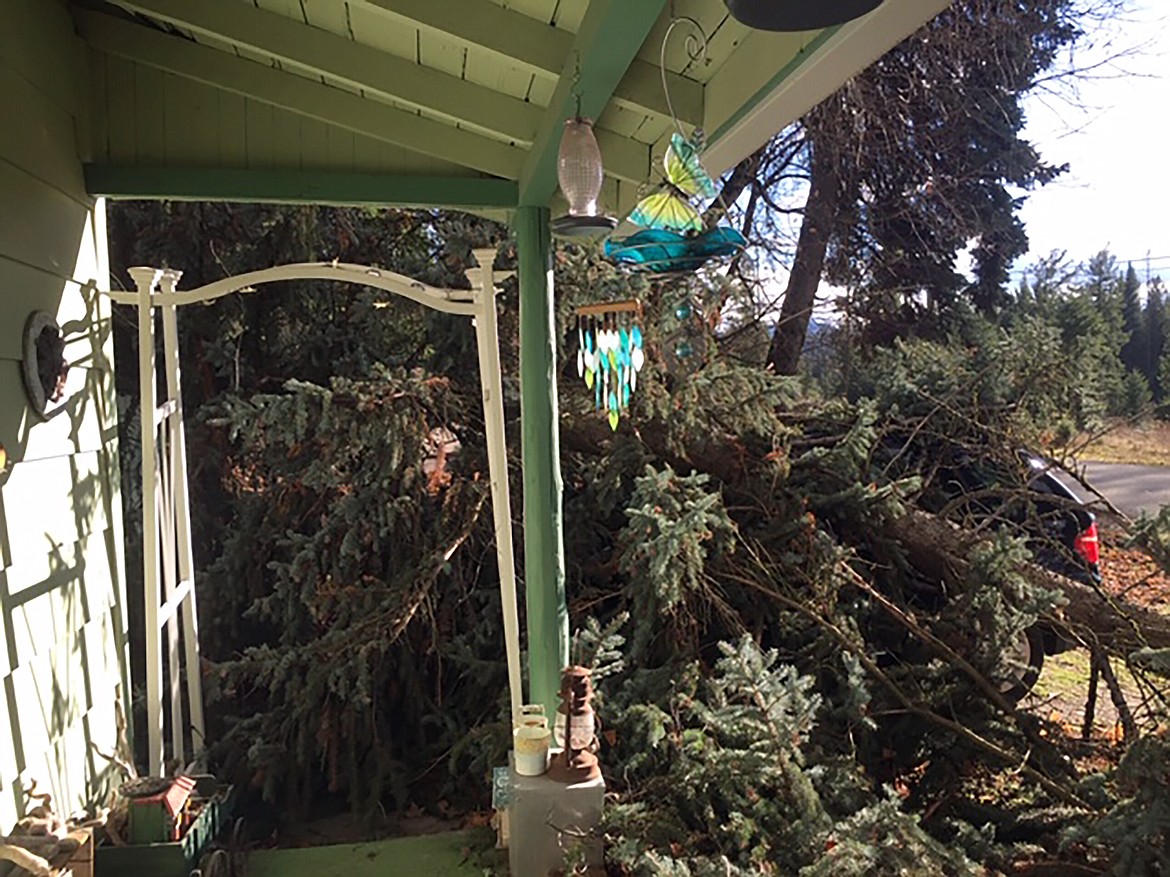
(577, 762)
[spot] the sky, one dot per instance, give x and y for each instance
(1116, 194)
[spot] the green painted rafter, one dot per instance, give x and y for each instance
(299, 187)
(299, 94)
(354, 63)
(543, 48)
(610, 36)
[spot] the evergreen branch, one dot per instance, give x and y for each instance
(992, 693)
(980, 742)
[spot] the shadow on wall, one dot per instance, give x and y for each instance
(62, 615)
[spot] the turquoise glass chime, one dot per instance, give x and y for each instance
(610, 354)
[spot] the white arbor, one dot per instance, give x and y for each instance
(168, 573)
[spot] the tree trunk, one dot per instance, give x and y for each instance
(937, 548)
(739, 179)
(820, 214)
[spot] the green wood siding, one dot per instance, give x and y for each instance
(62, 642)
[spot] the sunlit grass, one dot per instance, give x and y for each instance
(1062, 690)
(1147, 443)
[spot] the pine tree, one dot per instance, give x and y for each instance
(1156, 328)
(1133, 354)
(1103, 284)
(1164, 376)
(894, 193)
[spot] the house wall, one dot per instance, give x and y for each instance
(62, 619)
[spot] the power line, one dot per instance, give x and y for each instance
(1152, 265)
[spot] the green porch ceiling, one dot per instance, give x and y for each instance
(341, 109)
(529, 41)
(481, 86)
(375, 72)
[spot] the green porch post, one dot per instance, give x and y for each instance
(544, 550)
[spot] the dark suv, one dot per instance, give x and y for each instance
(1057, 527)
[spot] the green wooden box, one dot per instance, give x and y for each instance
(176, 859)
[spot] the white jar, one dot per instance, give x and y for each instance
(531, 742)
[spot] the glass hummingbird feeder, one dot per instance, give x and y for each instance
(580, 174)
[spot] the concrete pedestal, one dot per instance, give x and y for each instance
(546, 817)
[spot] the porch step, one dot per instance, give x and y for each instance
(428, 855)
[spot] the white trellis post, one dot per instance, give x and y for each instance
(487, 338)
(166, 530)
(146, 279)
(181, 506)
(166, 522)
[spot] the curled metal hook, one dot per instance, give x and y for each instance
(696, 49)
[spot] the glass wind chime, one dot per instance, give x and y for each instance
(610, 354)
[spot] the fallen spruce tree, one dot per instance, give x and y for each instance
(819, 638)
(802, 643)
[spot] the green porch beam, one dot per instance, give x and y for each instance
(298, 187)
(607, 42)
(544, 550)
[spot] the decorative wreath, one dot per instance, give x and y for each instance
(44, 365)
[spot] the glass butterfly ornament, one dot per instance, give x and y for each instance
(670, 209)
(673, 239)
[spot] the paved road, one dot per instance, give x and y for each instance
(1131, 488)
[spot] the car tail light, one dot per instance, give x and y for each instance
(1086, 544)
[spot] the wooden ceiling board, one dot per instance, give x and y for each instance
(491, 71)
(723, 42)
(442, 54)
(168, 121)
(706, 13)
(232, 132)
(514, 36)
(288, 8)
(570, 13)
(621, 120)
(206, 39)
(258, 57)
(544, 11)
(541, 90)
(329, 15)
(656, 131)
(372, 28)
(151, 116)
(298, 94)
(371, 156)
(355, 66)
